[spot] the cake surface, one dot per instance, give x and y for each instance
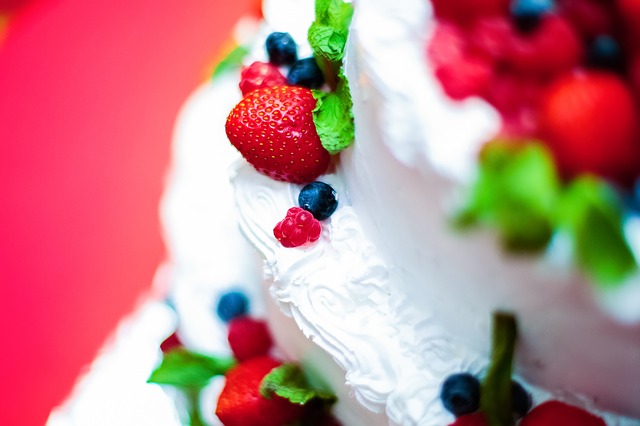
(391, 299)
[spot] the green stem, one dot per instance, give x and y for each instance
(193, 406)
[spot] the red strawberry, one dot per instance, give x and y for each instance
(556, 413)
(475, 419)
(249, 338)
(241, 404)
(274, 131)
(259, 75)
(298, 228)
(589, 121)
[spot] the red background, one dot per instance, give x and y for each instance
(89, 92)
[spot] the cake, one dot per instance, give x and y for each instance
(390, 299)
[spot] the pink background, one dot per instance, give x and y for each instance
(89, 91)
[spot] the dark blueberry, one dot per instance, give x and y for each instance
(527, 13)
(520, 400)
(281, 48)
(232, 304)
(460, 394)
(318, 198)
(306, 73)
(605, 52)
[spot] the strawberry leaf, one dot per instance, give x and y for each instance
(591, 213)
(328, 33)
(495, 399)
(185, 369)
(288, 381)
(333, 117)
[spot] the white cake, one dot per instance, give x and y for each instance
(391, 300)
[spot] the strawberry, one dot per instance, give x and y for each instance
(259, 75)
(556, 413)
(274, 131)
(475, 419)
(248, 338)
(589, 121)
(241, 404)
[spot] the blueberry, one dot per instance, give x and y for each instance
(460, 394)
(520, 400)
(232, 304)
(319, 199)
(527, 13)
(281, 48)
(306, 73)
(605, 52)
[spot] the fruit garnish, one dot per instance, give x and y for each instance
(460, 394)
(232, 304)
(259, 75)
(318, 198)
(527, 13)
(520, 400)
(333, 117)
(273, 129)
(556, 413)
(242, 404)
(328, 32)
(249, 338)
(464, 12)
(288, 381)
(281, 48)
(590, 122)
(604, 52)
(475, 419)
(186, 369)
(170, 343)
(306, 73)
(298, 228)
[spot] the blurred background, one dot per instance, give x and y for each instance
(89, 93)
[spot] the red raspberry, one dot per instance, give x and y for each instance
(551, 48)
(488, 36)
(465, 11)
(475, 419)
(298, 228)
(259, 75)
(590, 17)
(630, 12)
(555, 413)
(171, 342)
(249, 338)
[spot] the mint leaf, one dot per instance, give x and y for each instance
(183, 368)
(233, 60)
(591, 213)
(515, 192)
(328, 33)
(288, 381)
(333, 117)
(495, 399)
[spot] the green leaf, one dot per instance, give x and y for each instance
(333, 117)
(328, 33)
(495, 393)
(232, 61)
(183, 368)
(515, 192)
(591, 213)
(288, 381)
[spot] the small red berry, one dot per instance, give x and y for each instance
(298, 228)
(249, 338)
(475, 419)
(466, 11)
(171, 342)
(259, 75)
(556, 413)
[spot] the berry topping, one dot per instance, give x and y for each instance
(232, 304)
(274, 131)
(465, 11)
(475, 419)
(170, 343)
(527, 13)
(589, 121)
(460, 394)
(281, 48)
(520, 400)
(604, 52)
(298, 228)
(306, 73)
(259, 75)
(555, 413)
(249, 338)
(241, 403)
(318, 198)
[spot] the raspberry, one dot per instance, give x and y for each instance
(591, 18)
(249, 338)
(475, 419)
(298, 228)
(551, 48)
(488, 35)
(466, 11)
(259, 75)
(171, 342)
